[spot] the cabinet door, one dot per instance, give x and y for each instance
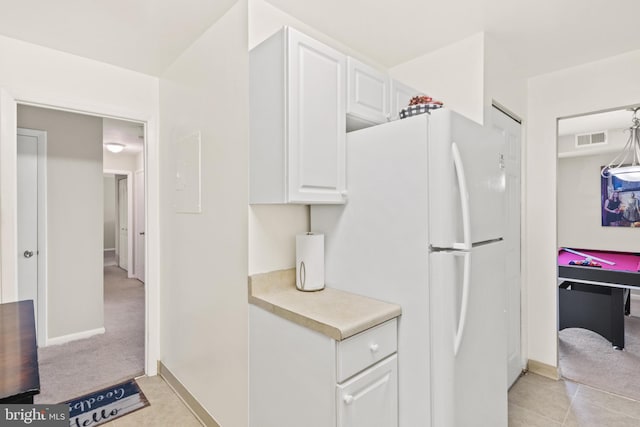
(401, 94)
(368, 93)
(370, 399)
(316, 121)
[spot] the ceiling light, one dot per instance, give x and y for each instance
(114, 147)
(626, 165)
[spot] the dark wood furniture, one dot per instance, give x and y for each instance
(19, 377)
(597, 298)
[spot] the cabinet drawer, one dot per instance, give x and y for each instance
(366, 348)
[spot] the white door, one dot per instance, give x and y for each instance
(123, 218)
(370, 399)
(510, 130)
(140, 225)
(31, 185)
(28, 219)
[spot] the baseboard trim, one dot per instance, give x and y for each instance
(73, 337)
(543, 369)
(192, 403)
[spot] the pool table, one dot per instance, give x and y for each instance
(597, 298)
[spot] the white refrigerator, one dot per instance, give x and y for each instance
(423, 227)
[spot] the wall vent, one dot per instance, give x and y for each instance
(589, 139)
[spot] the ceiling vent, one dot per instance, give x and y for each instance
(590, 139)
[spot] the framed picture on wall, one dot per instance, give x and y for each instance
(620, 201)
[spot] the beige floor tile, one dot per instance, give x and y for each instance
(538, 381)
(522, 417)
(543, 396)
(583, 414)
(165, 409)
(612, 402)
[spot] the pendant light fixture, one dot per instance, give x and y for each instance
(626, 165)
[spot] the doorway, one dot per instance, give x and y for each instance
(8, 202)
(75, 277)
(586, 353)
(32, 224)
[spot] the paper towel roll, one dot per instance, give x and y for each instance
(310, 262)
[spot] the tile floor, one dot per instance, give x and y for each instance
(538, 401)
(534, 401)
(165, 408)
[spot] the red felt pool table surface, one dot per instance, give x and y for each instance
(623, 261)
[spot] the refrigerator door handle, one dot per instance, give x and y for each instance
(464, 199)
(464, 306)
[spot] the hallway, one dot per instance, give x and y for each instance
(72, 369)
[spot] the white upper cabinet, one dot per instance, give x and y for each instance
(401, 94)
(368, 97)
(297, 121)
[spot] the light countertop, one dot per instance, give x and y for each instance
(332, 312)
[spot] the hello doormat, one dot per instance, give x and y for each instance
(105, 405)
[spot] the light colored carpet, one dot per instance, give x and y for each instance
(79, 367)
(588, 358)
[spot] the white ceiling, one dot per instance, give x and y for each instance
(129, 134)
(142, 35)
(147, 35)
(618, 119)
(541, 36)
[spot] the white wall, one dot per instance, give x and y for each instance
(204, 269)
(120, 161)
(579, 208)
(504, 81)
(616, 140)
(38, 74)
(453, 75)
(74, 218)
(597, 86)
(272, 236)
(109, 201)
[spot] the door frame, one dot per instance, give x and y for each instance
(8, 205)
(41, 321)
(129, 174)
(136, 232)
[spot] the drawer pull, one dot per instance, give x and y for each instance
(374, 348)
(348, 399)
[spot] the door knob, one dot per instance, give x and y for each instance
(28, 254)
(142, 233)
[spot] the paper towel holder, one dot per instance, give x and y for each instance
(310, 262)
(303, 275)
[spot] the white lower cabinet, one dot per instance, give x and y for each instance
(300, 377)
(370, 399)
